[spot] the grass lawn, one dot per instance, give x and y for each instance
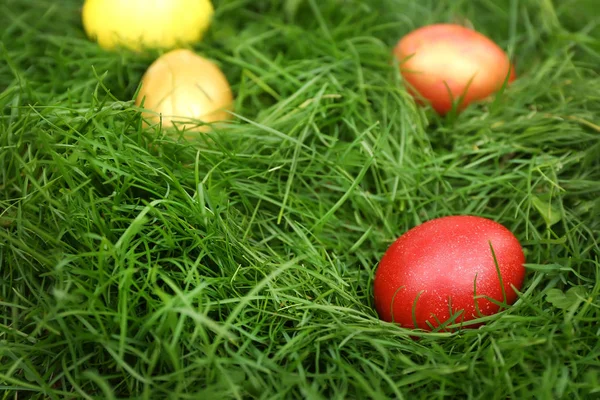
(134, 264)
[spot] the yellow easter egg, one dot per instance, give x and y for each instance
(152, 24)
(183, 88)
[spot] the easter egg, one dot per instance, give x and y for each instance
(139, 24)
(185, 89)
(448, 64)
(447, 268)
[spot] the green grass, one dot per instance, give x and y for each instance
(241, 266)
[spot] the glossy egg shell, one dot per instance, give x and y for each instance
(139, 24)
(442, 62)
(437, 265)
(184, 88)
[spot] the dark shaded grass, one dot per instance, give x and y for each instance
(240, 266)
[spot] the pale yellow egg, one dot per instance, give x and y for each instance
(151, 24)
(184, 88)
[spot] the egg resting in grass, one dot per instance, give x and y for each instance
(443, 62)
(183, 87)
(139, 24)
(439, 267)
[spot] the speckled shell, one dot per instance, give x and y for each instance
(437, 265)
